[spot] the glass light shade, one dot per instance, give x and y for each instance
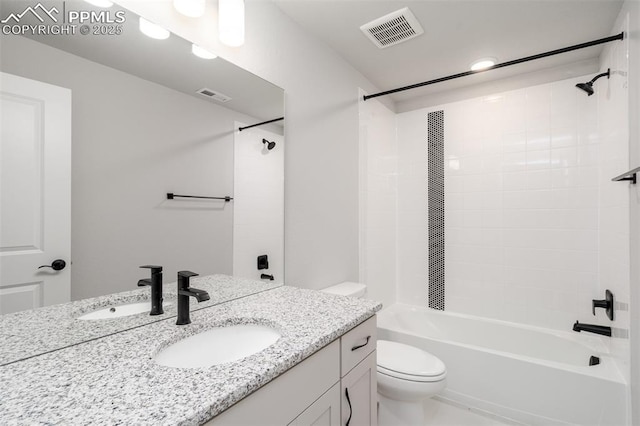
(231, 22)
(190, 8)
(482, 64)
(100, 3)
(202, 52)
(152, 30)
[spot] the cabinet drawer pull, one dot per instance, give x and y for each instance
(346, 393)
(363, 345)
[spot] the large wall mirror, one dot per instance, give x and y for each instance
(147, 117)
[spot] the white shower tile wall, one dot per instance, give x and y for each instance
(613, 225)
(258, 205)
(412, 223)
(521, 204)
(378, 196)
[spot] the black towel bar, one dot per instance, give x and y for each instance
(171, 196)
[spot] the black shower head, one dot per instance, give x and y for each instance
(588, 86)
(269, 145)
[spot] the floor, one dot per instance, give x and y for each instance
(445, 413)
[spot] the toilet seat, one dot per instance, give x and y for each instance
(408, 363)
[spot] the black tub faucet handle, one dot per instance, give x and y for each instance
(606, 303)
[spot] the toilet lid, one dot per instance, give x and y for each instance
(409, 363)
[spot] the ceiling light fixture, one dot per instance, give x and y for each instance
(202, 52)
(483, 64)
(231, 22)
(152, 30)
(190, 8)
(100, 3)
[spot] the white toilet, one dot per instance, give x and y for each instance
(406, 375)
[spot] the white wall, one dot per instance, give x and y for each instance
(378, 198)
(321, 132)
(521, 173)
(631, 12)
(134, 141)
(614, 197)
(258, 209)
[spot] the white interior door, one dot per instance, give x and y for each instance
(35, 193)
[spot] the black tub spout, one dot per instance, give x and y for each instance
(592, 328)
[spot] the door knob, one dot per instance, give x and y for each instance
(56, 265)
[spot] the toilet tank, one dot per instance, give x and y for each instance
(347, 288)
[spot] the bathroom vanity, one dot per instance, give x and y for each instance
(326, 351)
(315, 391)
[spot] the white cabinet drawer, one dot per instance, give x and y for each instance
(357, 344)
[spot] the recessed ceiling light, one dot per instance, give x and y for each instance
(100, 3)
(202, 53)
(190, 8)
(483, 64)
(152, 30)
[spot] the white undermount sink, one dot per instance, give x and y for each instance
(117, 311)
(218, 346)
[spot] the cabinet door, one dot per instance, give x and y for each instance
(359, 394)
(324, 412)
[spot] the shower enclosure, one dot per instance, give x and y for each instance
(502, 208)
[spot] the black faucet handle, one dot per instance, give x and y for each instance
(599, 304)
(143, 282)
(606, 303)
(154, 268)
(187, 274)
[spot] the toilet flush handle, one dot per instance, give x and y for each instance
(361, 346)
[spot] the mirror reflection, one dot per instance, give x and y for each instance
(97, 129)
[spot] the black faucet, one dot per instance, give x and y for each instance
(156, 288)
(592, 328)
(184, 293)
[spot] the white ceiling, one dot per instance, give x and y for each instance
(457, 32)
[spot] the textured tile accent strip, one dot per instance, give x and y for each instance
(435, 155)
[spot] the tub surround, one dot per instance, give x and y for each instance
(115, 379)
(34, 332)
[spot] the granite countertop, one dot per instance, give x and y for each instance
(37, 331)
(114, 380)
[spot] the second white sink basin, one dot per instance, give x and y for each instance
(218, 346)
(118, 311)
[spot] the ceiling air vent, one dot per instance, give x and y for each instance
(212, 94)
(393, 28)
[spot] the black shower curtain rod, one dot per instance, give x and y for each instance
(260, 124)
(501, 65)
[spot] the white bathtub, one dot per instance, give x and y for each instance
(532, 375)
